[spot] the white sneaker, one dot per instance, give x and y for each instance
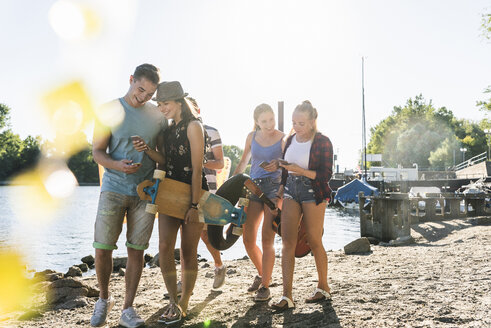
(219, 277)
(101, 309)
(130, 319)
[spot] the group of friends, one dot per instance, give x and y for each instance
(292, 170)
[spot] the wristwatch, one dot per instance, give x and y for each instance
(195, 206)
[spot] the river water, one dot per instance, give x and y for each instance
(68, 237)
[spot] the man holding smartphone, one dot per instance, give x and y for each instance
(128, 153)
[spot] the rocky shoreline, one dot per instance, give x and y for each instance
(443, 279)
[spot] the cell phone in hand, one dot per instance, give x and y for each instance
(283, 162)
(136, 164)
(135, 138)
(264, 164)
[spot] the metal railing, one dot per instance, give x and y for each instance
(471, 161)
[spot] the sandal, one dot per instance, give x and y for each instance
(314, 298)
(178, 316)
(284, 304)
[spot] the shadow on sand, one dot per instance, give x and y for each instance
(437, 230)
(193, 312)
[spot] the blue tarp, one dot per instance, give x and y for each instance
(349, 192)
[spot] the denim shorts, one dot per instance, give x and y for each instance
(299, 188)
(269, 186)
(109, 221)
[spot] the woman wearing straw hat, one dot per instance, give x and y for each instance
(184, 145)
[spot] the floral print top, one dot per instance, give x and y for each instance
(177, 152)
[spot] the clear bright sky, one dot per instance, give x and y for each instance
(233, 55)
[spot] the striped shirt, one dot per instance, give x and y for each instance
(215, 141)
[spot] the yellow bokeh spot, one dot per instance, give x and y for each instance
(44, 189)
(61, 183)
(70, 112)
(110, 114)
(68, 119)
(73, 21)
(15, 287)
(92, 22)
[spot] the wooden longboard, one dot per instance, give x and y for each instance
(173, 198)
(223, 173)
(303, 247)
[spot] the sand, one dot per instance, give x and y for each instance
(443, 280)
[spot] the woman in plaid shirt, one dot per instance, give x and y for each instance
(307, 169)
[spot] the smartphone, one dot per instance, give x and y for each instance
(136, 164)
(264, 164)
(283, 162)
(135, 138)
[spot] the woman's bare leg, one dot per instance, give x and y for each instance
(290, 218)
(313, 215)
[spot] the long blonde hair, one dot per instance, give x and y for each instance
(263, 108)
(307, 108)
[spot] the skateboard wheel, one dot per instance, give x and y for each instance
(152, 208)
(237, 231)
(159, 174)
(243, 202)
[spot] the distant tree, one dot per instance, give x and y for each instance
(422, 134)
(445, 155)
(16, 154)
(486, 25)
(31, 152)
(83, 166)
(485, 105)
(235, 154)
(4, 116)
(10, 150)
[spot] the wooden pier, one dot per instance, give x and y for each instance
(391, 214)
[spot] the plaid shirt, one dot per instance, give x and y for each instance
(320, 161)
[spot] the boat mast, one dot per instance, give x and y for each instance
(363, 138)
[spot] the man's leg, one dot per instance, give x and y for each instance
(139, 226)
(134, 268)
(220, 269)
(108, 225)
(103, 269)
(215, 253)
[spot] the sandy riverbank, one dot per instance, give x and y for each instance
(443, 280)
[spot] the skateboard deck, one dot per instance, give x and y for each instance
(303, 247)
(223, 237)
(173, 198)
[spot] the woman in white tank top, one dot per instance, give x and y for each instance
(307, 170)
